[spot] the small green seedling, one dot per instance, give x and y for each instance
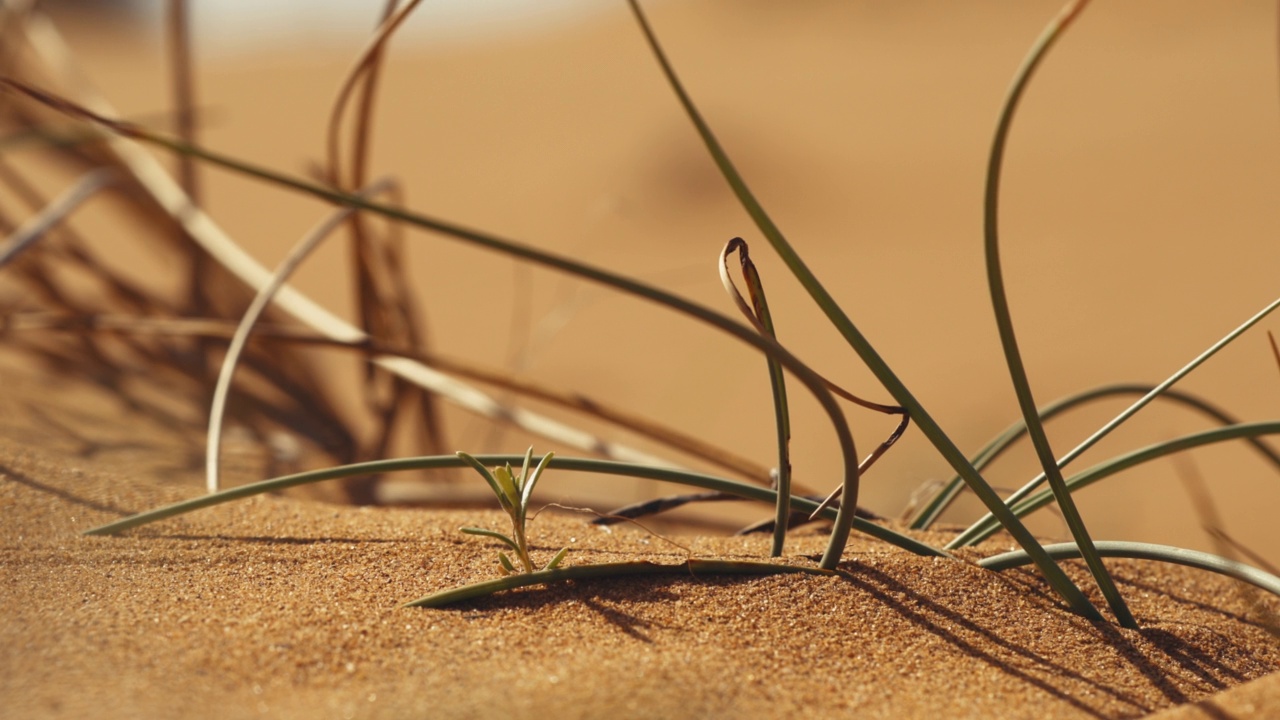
(513, 493)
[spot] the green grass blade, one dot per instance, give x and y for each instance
(930, 428)
(590, 465)
(508, 567)
(1004, 321)
(782, 422)
(966, 538)
(485, 473)
(559, 558)
(530, 480)
(491, 534)
(1147, 551)
(1137, 457)
(994, 449)
(690, 568)
(759, 313)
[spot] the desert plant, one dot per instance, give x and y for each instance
(514, 491)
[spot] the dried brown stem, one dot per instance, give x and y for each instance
(224, 329)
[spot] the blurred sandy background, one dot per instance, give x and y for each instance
(1139, 214)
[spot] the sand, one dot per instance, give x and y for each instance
(288, 607)
(1139, 224)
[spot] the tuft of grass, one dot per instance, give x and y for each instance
(396, 353)
(1018, 429)
(845, 326)
(988, 523)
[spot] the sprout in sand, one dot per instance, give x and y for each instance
(513, 493)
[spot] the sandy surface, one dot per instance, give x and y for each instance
(1139, 223)
(285, 607)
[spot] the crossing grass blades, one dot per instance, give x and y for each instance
(514, 491)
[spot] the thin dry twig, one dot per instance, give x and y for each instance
(1226, 546)
(55, 212)
(385, 305)
(615, 519)
(225, 329)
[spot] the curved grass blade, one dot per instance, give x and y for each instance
(531, 480)
(367, 66)
(385, 305)
(559, 558)
(591, 465)
(994, 449)
(758, 313)
(876, 454)
(966, 538)
(928, 426)
(754, 315)
(491, 534)
(508, 567)
(1137, 457)
(1146, 551)
(497, 488)
(222, 388)
(689, 568)
(1004, 321)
